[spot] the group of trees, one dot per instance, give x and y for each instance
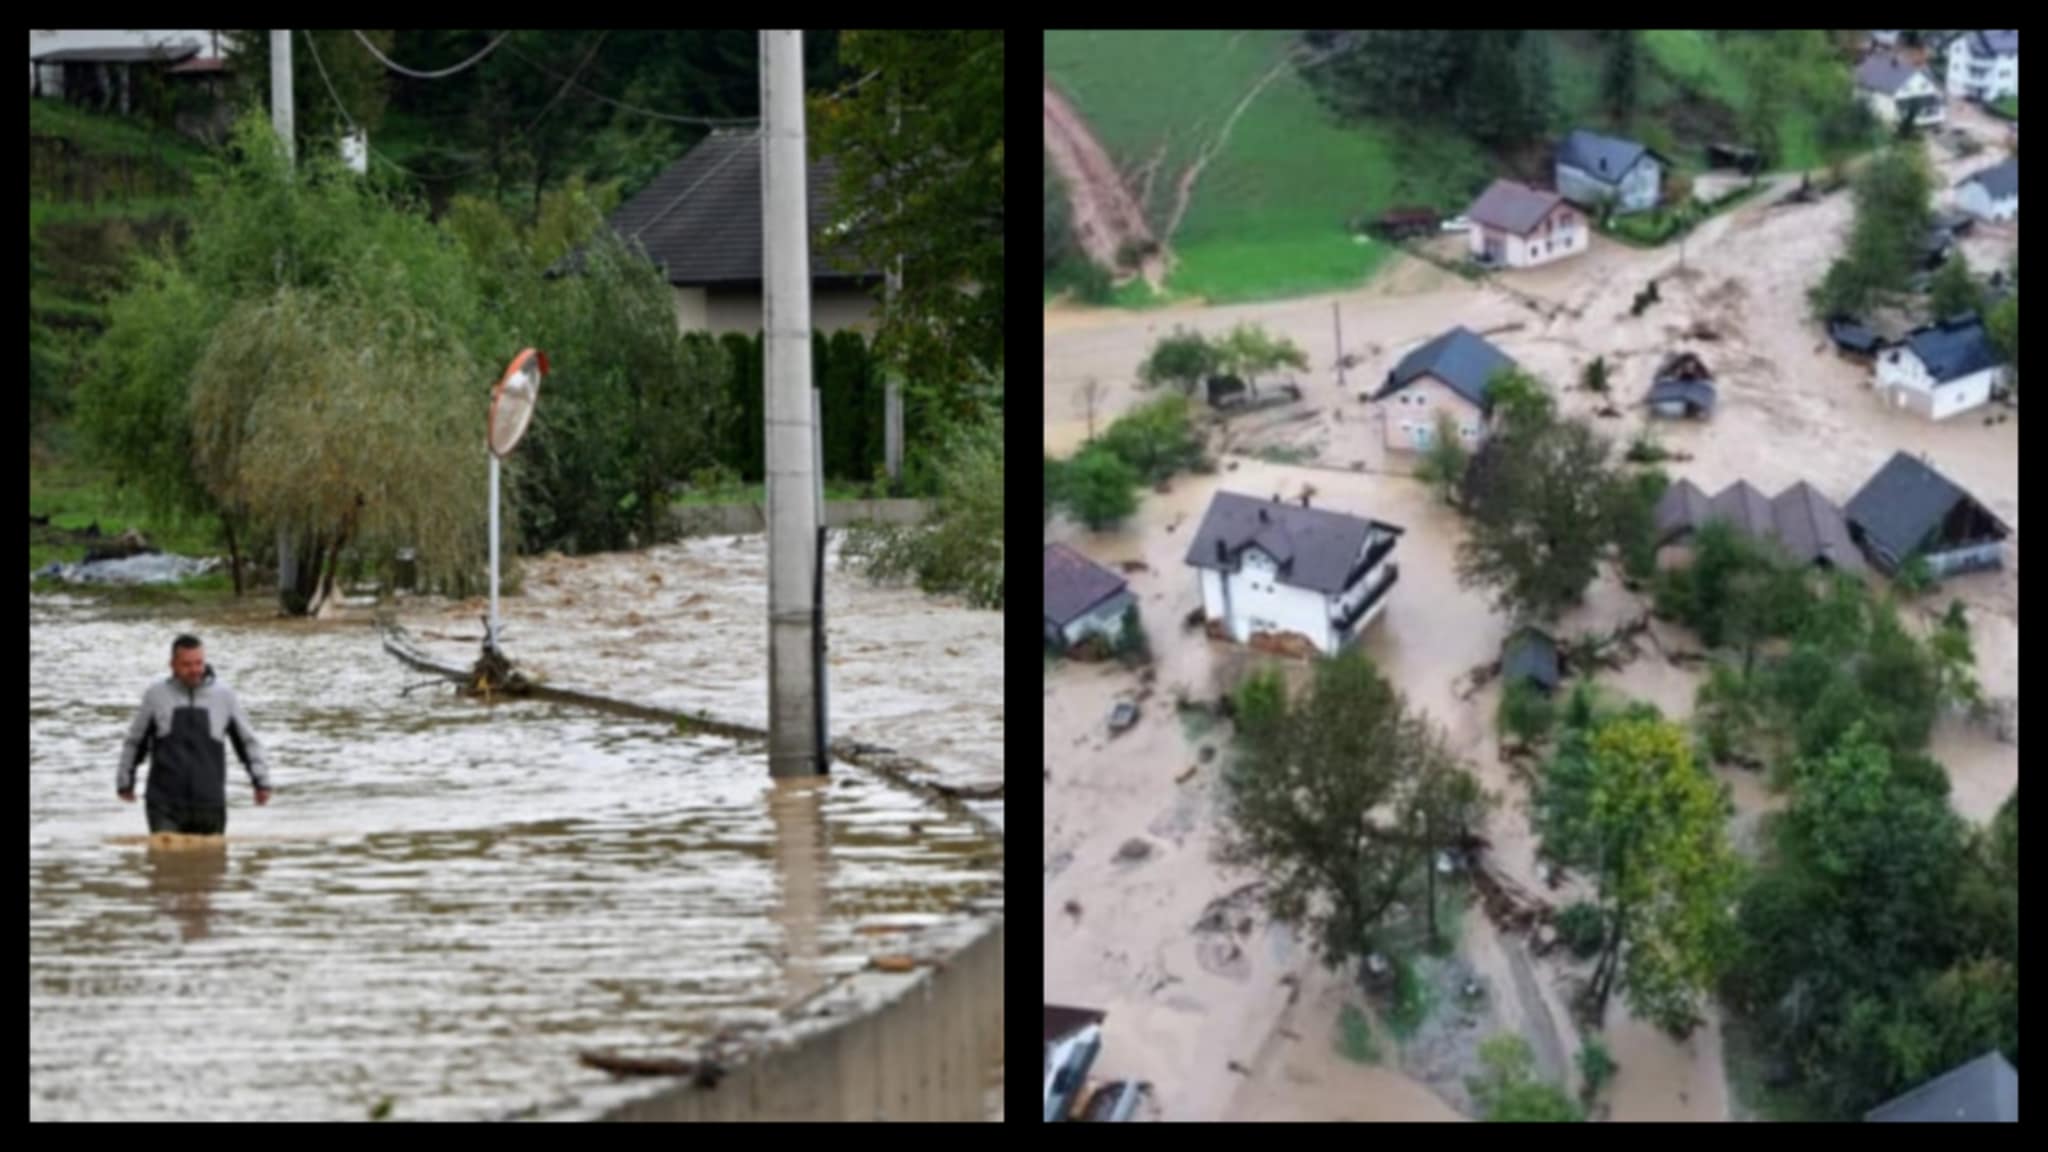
(1185, 358)
(1144, 446)
(1880, 938)
(1341, 796)
(1545, 504)
(959, 549)
(1876, 942)
(1494, 85)
(1885, 245)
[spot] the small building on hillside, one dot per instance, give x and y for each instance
(1082, 599)
(1593, 169)
(1897, 89)
(1516, 226)
(1984, 66)
(1802, 524)
(1941, 370)
(1291, 575)
(1908, 509)
(1986, 1090)
(1683, 388)
(1448, 376)
(1994, 193)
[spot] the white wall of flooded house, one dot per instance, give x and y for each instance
(1260, 601)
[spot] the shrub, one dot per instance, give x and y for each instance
(1098, 488)
(1526, 713)
(1132, 646)
(1156, 439)
(1582, 929)
(1354, 1036)
(1596, 1068)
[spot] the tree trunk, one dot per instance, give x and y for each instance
(227, 524)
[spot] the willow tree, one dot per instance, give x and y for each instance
(354, 425)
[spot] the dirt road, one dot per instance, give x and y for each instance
(1108, 220)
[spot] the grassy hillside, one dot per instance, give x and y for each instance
(1267, 215)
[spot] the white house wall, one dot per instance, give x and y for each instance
(1972, 198)
(1106, 620)
(1260, 603)
(1905, 380)
(1999, 75)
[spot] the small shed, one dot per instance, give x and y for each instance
(1854, 337)
(1226, 391)
(1683, 388)
(1531, 655)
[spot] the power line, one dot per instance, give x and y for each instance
(325, 79)
(703, 121)
(444, 73)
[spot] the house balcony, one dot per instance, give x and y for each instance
(1344, 619)
(1374, 553)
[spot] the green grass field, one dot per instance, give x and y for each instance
(1267, 217)
(2010, 106)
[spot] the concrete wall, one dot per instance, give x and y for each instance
(752, 519)
(893, 1048)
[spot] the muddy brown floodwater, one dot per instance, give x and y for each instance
(684, 628)
(444, 903)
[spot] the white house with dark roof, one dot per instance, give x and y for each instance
(1516, 226)
(1984, 65)
(1896, 88)
(1994, 193)
(1082, 598)
(1447, 376)
(1941, 370)
(1276, 571)
(1593, 169)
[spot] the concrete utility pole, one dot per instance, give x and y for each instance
(793, 499)
(892, 381)
(281, 120)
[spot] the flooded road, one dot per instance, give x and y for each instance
(684, 627)
(443, 903)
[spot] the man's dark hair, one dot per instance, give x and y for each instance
(184, 642)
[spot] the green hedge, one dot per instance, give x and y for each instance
(852, 400)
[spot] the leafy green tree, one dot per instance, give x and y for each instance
(1181, 358)
(1508, 1090)
(1625, 802)
(1098, 488)
(1954, 291)
(2004, 326)
(959, 549)
(1444, 462)
(1250, 351)
(1621, 79)
(1338, 797)
(1156, 439)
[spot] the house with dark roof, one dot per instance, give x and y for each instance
(1082, 598)
(1683, 388)
(700, 223)
(1897, 89)
(1516, 226)
(1803, 525)
(1994, 193)
(1986, 1090)
(1984, 65)
(1942, 369)
(1445, 377)
(1908, 509)
(1593, 169)
(1291, 574)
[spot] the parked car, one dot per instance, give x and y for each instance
(1457, 224)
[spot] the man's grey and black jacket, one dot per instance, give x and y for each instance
(184, 733)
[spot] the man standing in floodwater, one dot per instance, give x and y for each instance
(182, 729)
